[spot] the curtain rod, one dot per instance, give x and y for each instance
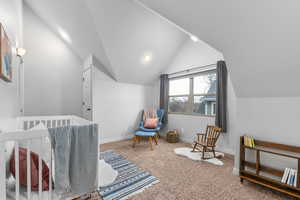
(190, 69)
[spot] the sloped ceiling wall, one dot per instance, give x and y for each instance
(72, 22)
(259, 39)
(128, 31)
(118, 32)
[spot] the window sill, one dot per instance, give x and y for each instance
(192, 114)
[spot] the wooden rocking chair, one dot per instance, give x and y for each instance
(207, 141)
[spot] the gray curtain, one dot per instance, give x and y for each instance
(221, 104)
(164, 95)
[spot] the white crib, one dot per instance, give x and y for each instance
(21, 131)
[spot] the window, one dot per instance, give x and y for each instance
(213, 108)
(195, 94)
(179, 95)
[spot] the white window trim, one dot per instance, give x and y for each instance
(213, 108)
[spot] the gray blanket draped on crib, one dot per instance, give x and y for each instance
(75, 155)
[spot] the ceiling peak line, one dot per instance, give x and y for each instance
(162, 17)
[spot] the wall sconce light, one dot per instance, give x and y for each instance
(20, 53)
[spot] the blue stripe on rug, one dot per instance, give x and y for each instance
(131, 178)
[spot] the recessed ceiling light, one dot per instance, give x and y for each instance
(147, 57)
(64, 35)
(194, 38)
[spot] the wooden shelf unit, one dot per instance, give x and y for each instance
(288, 151)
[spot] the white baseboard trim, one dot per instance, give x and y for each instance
(226, 150)
(115, 139)
(236, 171)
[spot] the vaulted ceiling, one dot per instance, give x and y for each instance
(120, 33)
(72, 21)
(259, 39)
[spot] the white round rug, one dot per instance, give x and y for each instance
(187, 152)
(107, 174)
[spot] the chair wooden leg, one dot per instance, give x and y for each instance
(158, 134)
(138, 139)
(213, 150)
(195, 145)
(134, 141)
(150, 142)
(156, 139)
(203, 151)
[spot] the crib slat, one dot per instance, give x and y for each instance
(17, 170)
(50, 174)
(28, 171)
(32, 124)
(2, 172)
(25, 124)
(40, 172)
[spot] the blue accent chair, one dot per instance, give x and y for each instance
(151, 134)
(160, 115)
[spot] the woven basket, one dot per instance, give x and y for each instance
(172, 136)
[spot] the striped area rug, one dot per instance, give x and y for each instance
(130, 181)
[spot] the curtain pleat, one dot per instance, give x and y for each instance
(221, 104)
(164, 95)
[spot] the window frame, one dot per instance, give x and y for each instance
(191, 95)
(214, 108)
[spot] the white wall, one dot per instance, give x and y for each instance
(128, 31)
(270, 119)
(256, 40)
(74, 20)
(11, 19)
(196, 55)
(52, 71)
(117, 106)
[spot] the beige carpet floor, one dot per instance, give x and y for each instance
(184, 179)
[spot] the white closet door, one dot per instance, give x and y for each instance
(87, 107)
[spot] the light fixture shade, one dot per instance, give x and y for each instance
(21, 52)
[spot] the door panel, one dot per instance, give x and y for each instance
(87, 95)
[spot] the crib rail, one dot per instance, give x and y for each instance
(51, 121)
(27, 123)
(24, 133)
(27, 137)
